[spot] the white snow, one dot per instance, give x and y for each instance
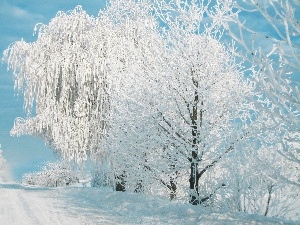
(85, 205)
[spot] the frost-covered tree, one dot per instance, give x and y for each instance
(67, 75)
(273, 49)
(253, 183)
(63, 76)
(181, 108)
(210, 96)
(137, 56)
(56, 174)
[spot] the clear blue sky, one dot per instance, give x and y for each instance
(17, 20)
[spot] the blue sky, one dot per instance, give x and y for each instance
(17, 20)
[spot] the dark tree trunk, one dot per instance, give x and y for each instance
(269, 199)
(194, 178)
(173, 189)
(120, 184)
(194, 185)
(197, 117)
(139, 187)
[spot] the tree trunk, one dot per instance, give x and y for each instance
(269, 199)
(173, 189)
(173, 186)
(120, 184)
(139, 187)
(194, 178)
(194, 184)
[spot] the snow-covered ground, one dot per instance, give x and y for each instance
(28, 206)
(21, 205)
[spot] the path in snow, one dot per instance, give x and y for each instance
(38, 206)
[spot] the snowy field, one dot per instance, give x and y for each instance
(21, 205)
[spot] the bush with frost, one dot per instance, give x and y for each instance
(57, 174)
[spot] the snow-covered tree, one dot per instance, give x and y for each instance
(253, 183)
(55, 174)
(181, 107)
(273, 49)
(63, 77)
(137, 56)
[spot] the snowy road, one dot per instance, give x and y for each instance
(16, 208)
(27, 206)
(21, 205)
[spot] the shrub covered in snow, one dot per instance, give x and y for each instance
(52, 175)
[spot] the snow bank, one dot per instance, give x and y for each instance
(132, 208)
